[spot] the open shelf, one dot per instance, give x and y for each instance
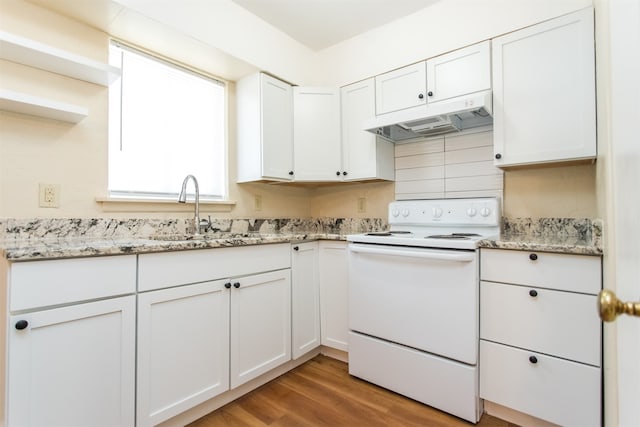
(36, 106)
(34, 54)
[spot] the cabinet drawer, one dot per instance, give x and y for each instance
(165, 269)
(556, 390)
(562, 324)
(577, 273)
(52, 282)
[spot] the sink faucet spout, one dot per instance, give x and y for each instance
(197, 223)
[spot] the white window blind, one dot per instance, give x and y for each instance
(165, 122)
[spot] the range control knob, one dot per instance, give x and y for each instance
(405, 212)
(436, 212)
(395, 212)
(472, 212)
(485, 211)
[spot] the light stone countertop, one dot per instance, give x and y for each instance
(560, 244)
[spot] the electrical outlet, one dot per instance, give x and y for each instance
(362, 204)
(49, 196)
(257, 203)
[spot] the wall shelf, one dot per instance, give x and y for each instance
(34, 54)
(23, 103)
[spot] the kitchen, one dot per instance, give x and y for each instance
(75, 158)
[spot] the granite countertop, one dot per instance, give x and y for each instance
(560, 244)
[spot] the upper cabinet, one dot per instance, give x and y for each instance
(316, 134)
(265, 129)
(460, 72)
(544, 92)
(364, 155)
(402, 88)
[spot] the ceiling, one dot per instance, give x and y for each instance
(319, 24)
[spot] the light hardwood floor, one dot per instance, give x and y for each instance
(322, 393)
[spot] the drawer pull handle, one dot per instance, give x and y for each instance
(533, 293)
(533, 359)
(533, 257)
(21, 324)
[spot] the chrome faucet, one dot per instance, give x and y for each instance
(199, 225)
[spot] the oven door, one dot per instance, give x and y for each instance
(421, 298)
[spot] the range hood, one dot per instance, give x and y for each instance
(437, 118)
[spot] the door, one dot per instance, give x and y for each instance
(305, 298)
(73, 366)
(260, 324)
(183, 349)
(277, 127)
(334, 294)
(316, 134)
(624, 202)
(402, 88)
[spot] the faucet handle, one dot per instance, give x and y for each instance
(205, 224)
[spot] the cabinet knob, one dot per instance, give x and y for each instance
(227, 285)
(296, 248)
(533, 359)
(21, 324)
(344, 173)
(430, 93)
(236, 285)
(338, 173)
(533, 257)
(498, 156)
(533, 293)
(421, 96)
(290, 172)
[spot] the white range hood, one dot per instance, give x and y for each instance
(438, 118)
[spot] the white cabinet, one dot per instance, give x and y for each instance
(540, 335)
(334, 294)
(544, 92)
(364, 155)
(265, 129)
(183, 349)
(316, 134)
(402, 88)
(260, 324)
(458, 73)
(72, 365)
(305, 298)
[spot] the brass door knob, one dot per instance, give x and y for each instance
(609, 306)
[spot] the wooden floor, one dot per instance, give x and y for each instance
(322, 393)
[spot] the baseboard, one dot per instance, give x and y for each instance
(515, 417)
(333, 353)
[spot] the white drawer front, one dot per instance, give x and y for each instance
(578, 273)
(562, 324)
(166, 269)
(556, 390)
(52, 282)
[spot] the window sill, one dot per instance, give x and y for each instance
(126, 204)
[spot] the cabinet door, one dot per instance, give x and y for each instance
(544, 92)
(364, 156)
(316, 134)
(402, 88)
(334, 293)
(260, 324)
(73, 366)
(277, 128)
(305, 298)
(183, 349)
(460, 72)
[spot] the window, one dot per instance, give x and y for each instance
(165, 122)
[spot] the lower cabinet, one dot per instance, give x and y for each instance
(334, 294)
(72, 366)
(305, 298)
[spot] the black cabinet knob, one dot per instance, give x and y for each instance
(498, 156)
(290, 172)
(533, 257)
(227, 285)
(421, 96)
(296, 248)
(338, 173)
(344, 173)
(21, 324)
(533, 359)
(533, 293)
(236, 285)
(430, 93)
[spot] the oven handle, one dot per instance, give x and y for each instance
(458, 256)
